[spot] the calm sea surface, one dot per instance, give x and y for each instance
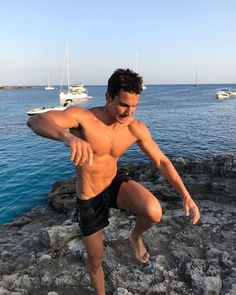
(184, 120)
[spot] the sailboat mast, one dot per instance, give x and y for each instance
(67, 66)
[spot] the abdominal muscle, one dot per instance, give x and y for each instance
(92, 180)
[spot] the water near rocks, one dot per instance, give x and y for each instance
(184, 120)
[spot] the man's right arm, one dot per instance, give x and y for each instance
(55, 124)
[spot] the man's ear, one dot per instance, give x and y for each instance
(108, 97)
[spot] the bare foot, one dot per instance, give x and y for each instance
(140, 251)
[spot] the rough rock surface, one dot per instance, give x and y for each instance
(43, 253)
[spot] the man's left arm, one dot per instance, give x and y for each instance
(169, 172)
(166, 168)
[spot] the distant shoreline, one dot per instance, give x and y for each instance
(15, 87)
(104, 85)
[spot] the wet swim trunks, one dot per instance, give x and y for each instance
(93, 214)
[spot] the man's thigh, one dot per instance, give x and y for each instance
(136, 198)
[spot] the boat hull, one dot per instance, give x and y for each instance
(225, 93)
(70, 97)
(222, 96)
(49, 88)
(42, 110)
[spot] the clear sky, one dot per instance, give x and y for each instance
(171, 38)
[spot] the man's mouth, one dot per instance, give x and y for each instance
(124, 116)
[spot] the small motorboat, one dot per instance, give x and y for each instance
(232, 92)
(222, 94)
(45, 109)
(225, 93)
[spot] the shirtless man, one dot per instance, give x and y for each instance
(97, 137)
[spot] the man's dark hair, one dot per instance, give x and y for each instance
(124, 79)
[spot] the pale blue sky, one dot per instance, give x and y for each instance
(173, 39)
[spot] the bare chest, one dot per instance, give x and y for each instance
(108, 141)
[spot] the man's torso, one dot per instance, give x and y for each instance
(108, 142)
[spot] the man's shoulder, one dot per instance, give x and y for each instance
(77, 110)
(77, 113)
(138, 129)
(137, 124)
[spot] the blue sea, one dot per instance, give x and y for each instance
(184, 120)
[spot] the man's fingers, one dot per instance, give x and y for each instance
(77, 157)
(76, 152)
(84, 156)
(194, 220)
(87, 155)
(90, 156)
(196, 216)
(81, 152)
(72, 152)
(189, 205)
(186, 210)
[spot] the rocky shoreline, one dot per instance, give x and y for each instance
(43, 253)
(15, 87)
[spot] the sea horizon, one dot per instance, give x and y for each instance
(146, 84)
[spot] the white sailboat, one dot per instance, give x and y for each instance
(73, 94)
(196, 82)
(49, 87)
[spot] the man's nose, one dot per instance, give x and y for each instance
(128, 111)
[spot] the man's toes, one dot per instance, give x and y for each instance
(145, 257)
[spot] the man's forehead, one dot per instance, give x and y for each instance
(124, 95)
(128, 101)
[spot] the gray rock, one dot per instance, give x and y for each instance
(213, 285)
(60, 235)
(225, 260)
(37, 241)
(232, 290)
(122, 291)
(43, 252)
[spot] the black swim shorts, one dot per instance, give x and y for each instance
(93, 214)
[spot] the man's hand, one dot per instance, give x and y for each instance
(192, 208)
(80, 150)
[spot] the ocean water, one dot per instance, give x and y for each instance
(184, 120)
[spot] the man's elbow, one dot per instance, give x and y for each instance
(32, 121)
(29, 122)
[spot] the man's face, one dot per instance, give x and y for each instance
(123, 106)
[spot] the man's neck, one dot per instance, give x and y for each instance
(107, 118)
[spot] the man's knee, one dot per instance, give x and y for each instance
(154, 213)
(94, 262)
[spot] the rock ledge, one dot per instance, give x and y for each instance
(43, 253)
